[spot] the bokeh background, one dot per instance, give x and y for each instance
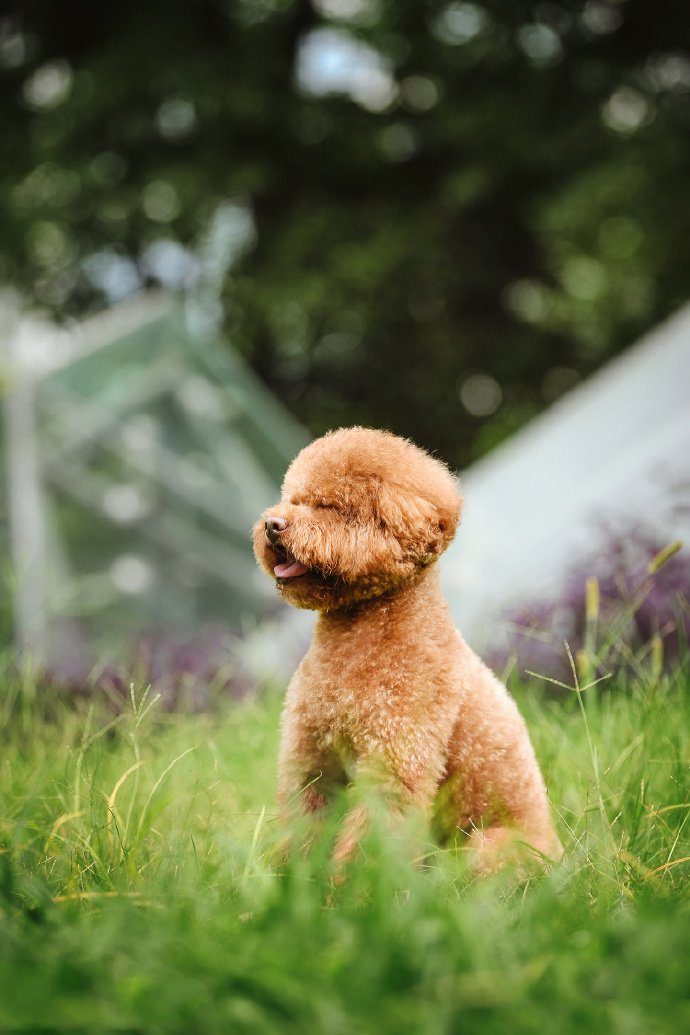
(436, 218)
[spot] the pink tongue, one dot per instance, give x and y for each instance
(289, 569)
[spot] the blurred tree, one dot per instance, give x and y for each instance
(457, 209)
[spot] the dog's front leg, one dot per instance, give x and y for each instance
(354, 827)
(302, 797)
(304, 788)
(387, 794)
(308, 779)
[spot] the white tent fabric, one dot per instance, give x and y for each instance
(613, 451)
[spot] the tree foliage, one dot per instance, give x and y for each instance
(457, 209)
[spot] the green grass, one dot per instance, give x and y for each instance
(137, 890)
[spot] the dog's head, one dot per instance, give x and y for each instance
(361, 514)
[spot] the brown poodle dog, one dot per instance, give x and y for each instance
(388, 687)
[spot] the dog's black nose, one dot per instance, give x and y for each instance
(274, 526)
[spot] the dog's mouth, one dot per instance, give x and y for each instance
(288, 567)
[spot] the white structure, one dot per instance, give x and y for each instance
(610, 451)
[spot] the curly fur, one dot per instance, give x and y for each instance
(388, 686)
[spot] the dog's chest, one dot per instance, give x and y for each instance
(338, 706)
(344, 725)
(364, 687)
(351, 707)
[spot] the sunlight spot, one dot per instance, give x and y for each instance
(131, 574)
(49, 86)
(420, 92)
(125, 503)
(160, 201)
(481, 395)
(626, 110)
(540, 44)
(176, 118)
(332, 61)
(459, 23)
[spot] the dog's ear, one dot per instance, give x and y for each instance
(441, 516)
(424, 526)
(438, 540)
(442, 530)
(449, 510)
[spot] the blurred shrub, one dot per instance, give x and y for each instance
(625, 608)
(189, 674)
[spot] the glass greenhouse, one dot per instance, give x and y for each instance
(139, 452)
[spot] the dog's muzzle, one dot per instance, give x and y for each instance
(274, 527)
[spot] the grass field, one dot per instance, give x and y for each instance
(137, 890)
